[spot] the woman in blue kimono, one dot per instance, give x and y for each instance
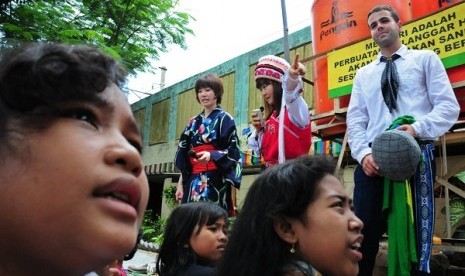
(208, 153)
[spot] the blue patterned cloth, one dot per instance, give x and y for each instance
(424, 199)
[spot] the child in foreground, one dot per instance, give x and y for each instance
(296, 219)
(72, 186)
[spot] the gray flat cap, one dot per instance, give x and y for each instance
(397, 154)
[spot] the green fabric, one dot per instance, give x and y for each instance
(397, 204)
(402, 120)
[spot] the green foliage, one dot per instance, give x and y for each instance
(134, 31)
(170, 196)
(457, 212)
(231, 221)
(461, 176)
(153, 228)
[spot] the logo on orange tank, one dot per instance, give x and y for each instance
(339, 21)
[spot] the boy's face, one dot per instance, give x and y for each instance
(76, 195)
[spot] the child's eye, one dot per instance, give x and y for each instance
(263, 86)
(338, 204)
(213, 228)
(81, 114)
(136, 144)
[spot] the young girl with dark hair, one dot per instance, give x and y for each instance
(72, 186)
(194, 240)
(296, 219)
(286, 132)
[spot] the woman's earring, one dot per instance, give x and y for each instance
(292, 250)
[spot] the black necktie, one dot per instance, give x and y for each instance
(390, 82)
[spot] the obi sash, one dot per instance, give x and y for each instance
(198, 167)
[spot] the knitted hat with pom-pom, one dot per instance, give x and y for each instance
(271, 67)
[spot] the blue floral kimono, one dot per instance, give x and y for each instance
(218, 133)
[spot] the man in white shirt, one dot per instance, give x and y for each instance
(424, 92)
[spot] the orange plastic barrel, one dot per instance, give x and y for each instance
(336, 23)
(425, 7)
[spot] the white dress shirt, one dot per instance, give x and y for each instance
(424, 92)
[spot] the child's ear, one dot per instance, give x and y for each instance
(284, 230)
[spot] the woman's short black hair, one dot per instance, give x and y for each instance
(281, 191)
(175, 253)
(211, 81)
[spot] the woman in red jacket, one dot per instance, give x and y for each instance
(281, 137)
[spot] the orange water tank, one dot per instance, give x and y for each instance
(425, 7)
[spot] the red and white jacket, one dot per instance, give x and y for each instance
(297, 133)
